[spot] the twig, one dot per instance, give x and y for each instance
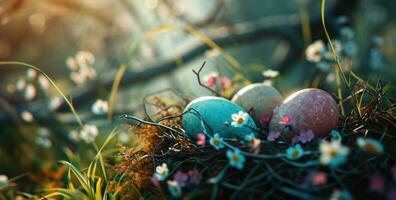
(198, 73)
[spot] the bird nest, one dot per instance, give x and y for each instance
(168, 163)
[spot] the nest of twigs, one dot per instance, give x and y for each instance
(266, 174)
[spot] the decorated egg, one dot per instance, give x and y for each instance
(217, 115)
(260, 101)
(306, 110)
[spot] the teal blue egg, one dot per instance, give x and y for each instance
(216, 114)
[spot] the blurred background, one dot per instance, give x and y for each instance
(82, 45)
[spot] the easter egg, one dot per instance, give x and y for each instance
(260, 100)
(306, 110)
(217, 115)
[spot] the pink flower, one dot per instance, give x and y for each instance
(377, 184)
(155, 181)
(195, 176)
(225, 82)
(264, 120)
(211, 79)
(273, 135)
(181, 178)
(256, 145)
(201, 139)
(303, 137)
(287, 120)
(319, 178)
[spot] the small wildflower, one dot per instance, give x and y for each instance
(123, 137)
(288, 122)
(74, 135)
(27, 116)
(377, 184)
(239, 119)
(269, 73)
(161, 172)
(71, 63)
(264, 120)
(347, 33)
(370, 145)
(89, 133)
(30, 92)
(335, 135)
(350, 48)
(31, 74)
(54, 103)
(20, 84)
(340, 195)
(174, 188)
(235, 158)
(253, 142)
(181, 178)
(294, 153)
(216, 141)
(100, 107)
(267, 83)
(303, 137)
(273, 135)
(211, 79)
(195, 176)
(201, 140)
(225, 82)
(3, 180)
(333, 153)
(43, 82)
(43, 142)
(319, 178)
(154, 181)
(314, 51)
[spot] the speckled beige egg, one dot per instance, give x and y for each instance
(308, 109)
(259, 100)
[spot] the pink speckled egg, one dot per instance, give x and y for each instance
(308, 109)
(259, 100)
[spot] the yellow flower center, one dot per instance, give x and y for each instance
(216, 142)
(371, 148)
(235, 158)
(295, 154)
(240, 120)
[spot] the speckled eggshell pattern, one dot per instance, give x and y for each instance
(259, 99)
(216, 113)
(312, 109)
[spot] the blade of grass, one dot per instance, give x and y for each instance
(51, 82)
(120, 73)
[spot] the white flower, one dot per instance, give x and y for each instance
(43, 142)
(269, 73)
(71, 64)
(267, 83)
(44, 132)
(100, 107)
(27, 116)
(314, 51)
(161, 172)
(333, 153)
(74, 135)
(239, 119)
(89, 133)
(3, 180)
(84, 58)
(54, 103)
(123, 137)
(44, 83)
(31, 74)
(30, 92)
(21, 84)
